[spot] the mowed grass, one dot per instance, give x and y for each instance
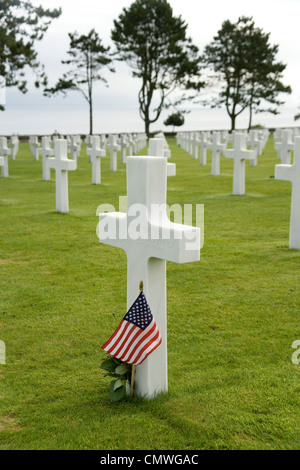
(232, 317)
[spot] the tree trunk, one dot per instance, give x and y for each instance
(233, 116)
(250, 118)
(91, 116)
(147, 122)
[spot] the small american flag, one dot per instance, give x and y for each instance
(137, 335)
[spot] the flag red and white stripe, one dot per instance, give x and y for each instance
(137, 335)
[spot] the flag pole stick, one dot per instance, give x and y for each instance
(133, 367)
(132, 381)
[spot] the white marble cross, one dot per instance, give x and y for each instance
(135, 144)
(96, 152)
(149, 239)
(195, 142)
(113, 148)
(216, 148)
(284, 147)
(157, 149)
(292, 173)
(203, 146)
(61, 164)
(4, 152)
(14, 143)
(74, 147)
(130, 144)
(167, 151)
(2, 165)
(46, 151)
(239, 153)
(255, 144)
(34, 146)
(123, 145)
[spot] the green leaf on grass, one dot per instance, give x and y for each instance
(118, 384)
(109, 365)
(118, 394)
(121, 369)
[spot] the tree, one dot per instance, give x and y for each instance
(87, 57)
(244, 64)
(21, 25)
(155, 45)
(175, 120)
(264, 81)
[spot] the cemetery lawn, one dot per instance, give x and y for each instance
(232, 317)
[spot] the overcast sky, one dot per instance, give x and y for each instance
(116, 107)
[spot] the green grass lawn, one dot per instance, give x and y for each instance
(232, 317)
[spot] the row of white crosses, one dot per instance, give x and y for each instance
(256, 140)
(74, 146)
(46, 151)
(191, 142)
(14, 145)
(216, 142)
(284, 146)
(133, 142)
(218, 146)
(34, 146)
(95, 150)
(125, 143)
(73, 141)
(295, 132)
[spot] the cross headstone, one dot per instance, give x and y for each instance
(123, 145)
(113, 148)
(46, 151)
(255, 144)
(284, 147)
(103, 141)
(135, 147)
(74, 147)
(203, 146)
(3, 165)
(216, 148)
(167, 151)
(130, 144)
(88, 145)
(88, 141)
(61, 164)
(157, 149)
(292, 173)
(195, 142)
(142, 141)
(277, 135)
(14, 144)
(4, 152)
(34, 146)
(96, 152)
(190, 143)
(147, 255)
(239, 153)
